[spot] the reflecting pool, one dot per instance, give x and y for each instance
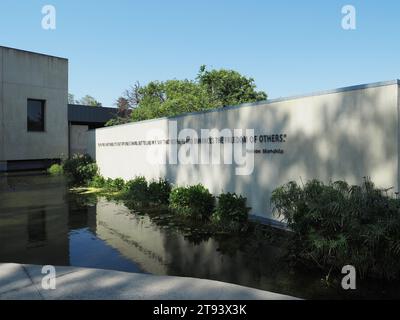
(41, 222)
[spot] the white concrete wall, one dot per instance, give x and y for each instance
(344, 134)
(2, 157)
(398, 134)
(25, 75)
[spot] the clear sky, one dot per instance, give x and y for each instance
(288, 47)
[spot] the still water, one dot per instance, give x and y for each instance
(42, 223)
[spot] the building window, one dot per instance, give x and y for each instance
(36, 115)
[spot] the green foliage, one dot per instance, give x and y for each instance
(229, 87)
(231, 208)
(89, 101)
(56, 170)
(169, 98)
(71, 98)
(195, 202)
(337, 224)
(136, 191)
(123, 112)
(114, 185)
(98, 181)
(211, 89)
(86, 100)
(80, 169)
(159, 191)
(117, 121)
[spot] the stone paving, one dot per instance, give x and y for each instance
(24, 282)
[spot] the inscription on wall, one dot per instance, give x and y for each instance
(254, 139)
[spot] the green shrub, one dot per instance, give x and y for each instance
(114, 185)
(81, 169)
(98, 181)
(231, 209)
(337, 224)
(55, 170)
(195, 202)
(159, 191)
(136, 190)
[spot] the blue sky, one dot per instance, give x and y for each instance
(289, 47)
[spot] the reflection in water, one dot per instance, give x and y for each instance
(41, 223)
(87, 250)
(37, 228)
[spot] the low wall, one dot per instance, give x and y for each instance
(344, 134)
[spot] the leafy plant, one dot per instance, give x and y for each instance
(231, 211)
(195, 202)
(80, 169)
(136, 191)
(159, 191)
(338, 224)
(114, 185)
(98, 181)
(56, 170)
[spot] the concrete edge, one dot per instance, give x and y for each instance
(75, 283)
(33, 52)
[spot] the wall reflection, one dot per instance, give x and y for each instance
(37, 228)
(165, 251)
(33, 219)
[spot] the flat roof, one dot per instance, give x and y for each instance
(90, 114)
(271, 101)
(32, 52)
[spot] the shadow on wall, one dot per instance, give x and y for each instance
(344, 136)
(337, 136)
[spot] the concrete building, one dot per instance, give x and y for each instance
(33, 107)
(34, 123)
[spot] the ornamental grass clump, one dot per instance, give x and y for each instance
(338, 224)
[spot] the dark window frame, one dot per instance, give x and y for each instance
(43, 117)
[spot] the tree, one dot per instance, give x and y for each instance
(71, 98)
(123, 103)
(211, 89)
(123, 113)
(229, 87)
(170, 98)
(86, 100)
(90, 101)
